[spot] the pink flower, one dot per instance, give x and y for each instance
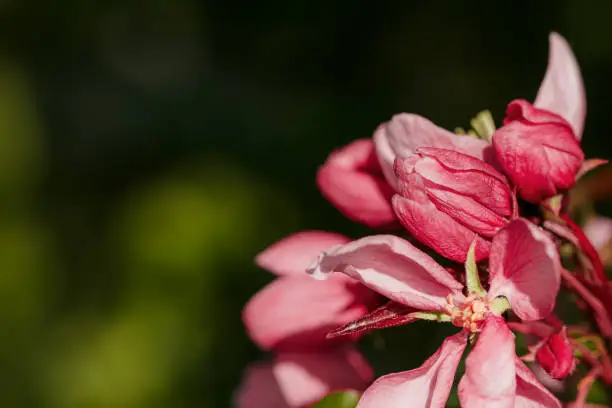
(556, 355)
(406, 132)
(449, 199)
(291, 317)
(599, 231)
(538, 146)
(352, 180)
(524, 273)
(538, 151)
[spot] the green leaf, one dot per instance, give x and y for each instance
(433, 316)
(344, 399)
(471, 272)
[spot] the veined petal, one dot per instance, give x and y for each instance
(530, 393)
(562, 90)
(296, 313)
(297, 380)
(425, 387)
(436, 229)
(490, 380)
(405, 132)
(524, 266)
(352, 180)
(293, 254)
(394, 268)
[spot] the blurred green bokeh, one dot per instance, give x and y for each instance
(149, 149)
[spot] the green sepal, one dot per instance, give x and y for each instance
(472, 277)
(344, 399)
(433, 316)
(499, 305)
(484, 125)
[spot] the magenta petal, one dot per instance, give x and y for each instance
(489, 379)
(530, 393)
(293, 254)
(524, 266)
(436, 229)
(351, 179)
(562, 90)
(297, 380)
(425, 387)
(296, 313)
(405, 132)
(394, 268)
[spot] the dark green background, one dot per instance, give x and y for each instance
(149, 149)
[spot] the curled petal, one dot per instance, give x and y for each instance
(352, 180)
(394, 268)
(562, 90)
(436, 229)
(490, 379)
(296, 313)
(293, 254)
(537, 151)
(524, 266)
(405, 132)
(425, 387)
(296, 380)
(530, 393)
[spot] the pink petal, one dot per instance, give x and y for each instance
(394, 268)
(562, 90)
(436, 229)
(489, 379)
(296, 380)
(293, 254)
(599, 231)
(388, 315)
(351, 179)
(296, 313)
(530, 393)
(425, 387)
(405, 132)
(259, 389)
(524, 266)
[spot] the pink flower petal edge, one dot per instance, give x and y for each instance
(599, 231)
(562, 89)
(352, 180)
(490, 379)
(425, 387)
(296, 313)
(292, 255)
(524, 266)
(392, 267)
(530, 393)
(297, 380)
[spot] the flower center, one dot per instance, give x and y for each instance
(470, 315)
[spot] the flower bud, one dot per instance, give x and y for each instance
(449, 199)
(556, 356)
(538, 151)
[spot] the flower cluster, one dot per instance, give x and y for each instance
(494, 203)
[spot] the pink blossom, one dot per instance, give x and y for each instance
(556, 355)
(538, 151)
(599, 231)
(352, 180)
(406, 132)
(538, 146)
(449, 199)
(494, 376)
(291, 317)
